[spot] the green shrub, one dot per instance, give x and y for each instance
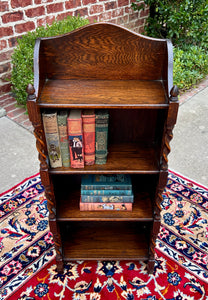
(22, 58)
(190, 66)
(185, 22)
(182, 21)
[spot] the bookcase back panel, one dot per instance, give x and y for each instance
(136, 126)
(104, 51)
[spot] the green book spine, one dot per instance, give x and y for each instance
(63, 137)
(52, 139)
(101, 136)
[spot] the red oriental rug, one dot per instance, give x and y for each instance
(27, 262)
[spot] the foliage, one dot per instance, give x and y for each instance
(185, 22)
(182, 21)
(190, 66)
(22, 58)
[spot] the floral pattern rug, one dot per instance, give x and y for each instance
(27, 259)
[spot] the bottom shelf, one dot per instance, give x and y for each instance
(104, 240)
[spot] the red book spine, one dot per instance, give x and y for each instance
(105, 206)
(88, 119)
(74, 122)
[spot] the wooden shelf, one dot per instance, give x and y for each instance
(104, 241)
(68, 210)
(103, 94)
(122, 158)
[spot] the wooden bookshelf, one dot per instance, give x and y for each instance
(105, 66)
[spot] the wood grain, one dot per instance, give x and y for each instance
(68, 209)
(103, 94)
(104, 51)
(104, 241)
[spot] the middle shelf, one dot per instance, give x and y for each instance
(67, 193)
(122, 158)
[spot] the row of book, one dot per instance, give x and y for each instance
(106, 192)
(76, 138)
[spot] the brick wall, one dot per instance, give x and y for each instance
(19, 16)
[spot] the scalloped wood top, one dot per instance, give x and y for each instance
(102, 51)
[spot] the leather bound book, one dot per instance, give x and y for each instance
(106, 192)
(88, 119)
(63, 137)
(52, 138)
(107, 199)
(101, 136)
(75, 136)
(106, 182)
(105, 206)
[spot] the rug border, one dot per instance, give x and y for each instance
(21, 182)
(189, 179)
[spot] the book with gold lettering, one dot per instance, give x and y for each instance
(52, 138)
(101, 136)
(75, 136)
(105, 206)
(63, 137)
(88, 120)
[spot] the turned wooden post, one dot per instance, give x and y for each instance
(35, 118)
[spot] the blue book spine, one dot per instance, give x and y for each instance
(107, 199)
(106, 182)
(106, 187)
(106, 192)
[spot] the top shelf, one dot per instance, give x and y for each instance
(103, 94)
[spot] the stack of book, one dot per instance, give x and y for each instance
(77, 138)
(106, 192)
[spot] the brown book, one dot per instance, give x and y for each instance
(75, 135)
(105, 206)
(52, 139)
(63, 137)
(88, 120)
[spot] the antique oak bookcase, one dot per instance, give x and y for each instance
(105, 66)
